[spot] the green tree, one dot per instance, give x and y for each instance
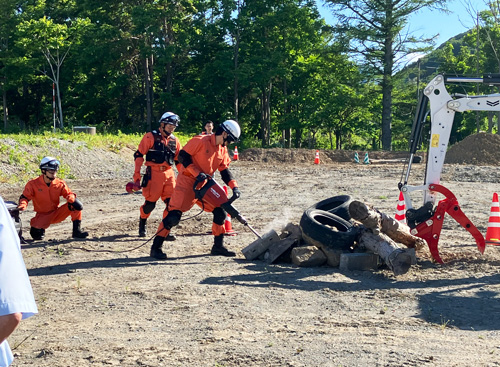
(375, 31)
(53, 41)
(7, 27)
(274, 34)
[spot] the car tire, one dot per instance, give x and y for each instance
(324, 229)
(338, 205)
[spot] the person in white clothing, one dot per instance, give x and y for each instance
(17, 301)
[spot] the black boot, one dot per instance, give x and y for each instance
(142, 227)
(37, 233)
(219, 249)
(170, 237)
(156, 251)
(77, 231)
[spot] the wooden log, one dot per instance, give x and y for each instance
(380, 222)
(397, 259)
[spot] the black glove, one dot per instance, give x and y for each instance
(201, 177)
(76, 205)
(236, 194)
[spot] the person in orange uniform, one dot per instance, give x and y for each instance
(201, 156)
(161, 148)
(46, 191)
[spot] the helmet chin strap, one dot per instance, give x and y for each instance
(44, 172)
(165, 131)
(226, 139)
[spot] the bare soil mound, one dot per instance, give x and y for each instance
(479, 149)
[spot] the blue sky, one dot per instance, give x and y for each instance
(428, 23)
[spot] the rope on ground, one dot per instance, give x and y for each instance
(134, 248)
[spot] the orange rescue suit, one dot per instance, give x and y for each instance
(46, 201)
(207, 157)
(162, 181)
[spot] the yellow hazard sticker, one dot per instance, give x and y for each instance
(435, 141)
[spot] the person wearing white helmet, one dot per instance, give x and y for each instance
(45, 191)
(159, 150)
(199, 158)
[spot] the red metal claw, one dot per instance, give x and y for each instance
(430, 230)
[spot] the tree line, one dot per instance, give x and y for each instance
(289, 78)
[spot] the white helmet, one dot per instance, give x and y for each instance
(49, 163)
(170, 118)
(232, 128)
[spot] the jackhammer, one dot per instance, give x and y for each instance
(209, 191)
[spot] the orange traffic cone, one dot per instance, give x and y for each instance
(235, 157)
(227, 223)
(400, 215)
(493, 231)
(316, 159)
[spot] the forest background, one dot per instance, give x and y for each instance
(290, 79)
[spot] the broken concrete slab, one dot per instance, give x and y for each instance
(260, 245)
(359, 261)
(278, 248)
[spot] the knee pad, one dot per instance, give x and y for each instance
(148, 206)
(219, 215)
(172, 219)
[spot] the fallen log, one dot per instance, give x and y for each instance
(380, 222)
(399, 260)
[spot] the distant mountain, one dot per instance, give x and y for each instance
(430, 62)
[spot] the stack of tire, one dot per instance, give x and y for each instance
(327, 224)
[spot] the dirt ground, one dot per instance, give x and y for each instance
(113, 305)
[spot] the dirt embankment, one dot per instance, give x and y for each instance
(478, 149)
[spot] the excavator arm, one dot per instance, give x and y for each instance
(426, 221)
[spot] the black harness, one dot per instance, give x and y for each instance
(161, 152)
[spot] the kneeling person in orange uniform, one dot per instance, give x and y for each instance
(45, 191)
(201, 156)
(161, 149)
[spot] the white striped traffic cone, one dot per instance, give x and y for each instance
(366, 160)
(400, 215)
(493, 231)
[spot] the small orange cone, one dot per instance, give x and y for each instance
(493, 231)
(400, 215)
(235, 157)
(227, 223)
(316, 159)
